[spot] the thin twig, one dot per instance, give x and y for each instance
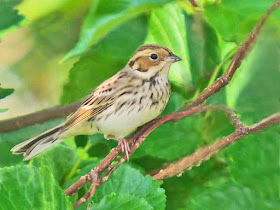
(208, 151)
(92, 177)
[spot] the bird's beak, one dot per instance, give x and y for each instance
(173, 58)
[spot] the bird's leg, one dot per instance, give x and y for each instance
(123, 142)
(125, 147)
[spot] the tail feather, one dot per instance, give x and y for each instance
(35, 146)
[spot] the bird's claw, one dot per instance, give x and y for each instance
(125, 147)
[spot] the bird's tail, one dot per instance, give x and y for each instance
(35, 146)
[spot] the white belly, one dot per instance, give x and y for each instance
(125, 121)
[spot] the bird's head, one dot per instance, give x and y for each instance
(151, 59)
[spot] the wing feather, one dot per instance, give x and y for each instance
(98, 101)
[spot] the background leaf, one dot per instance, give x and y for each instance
(122, 201)
(231, 195)
(235, 19)
(105, 15)
(166, 28)
(129, 181)
(22, 187)
(4, 92)
(60, 160)
(181, 189)
(204, 49)
(8, 15)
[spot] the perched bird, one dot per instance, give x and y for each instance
(135, 95)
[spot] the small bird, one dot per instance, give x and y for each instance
(134, 96)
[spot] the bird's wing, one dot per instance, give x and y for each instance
(100, 99)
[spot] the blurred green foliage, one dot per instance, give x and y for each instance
(8, 15)
(105, 15)
(243, 176)
(174, 37)
(4, 92)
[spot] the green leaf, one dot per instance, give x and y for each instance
(10, 139)
(100, 146)
(9, 16)
(3, 110)
(254, 92)
(167, 28)
(127, 180)
(22, 187)
(106, 15)
(204, 49)
(181, 190)
(235, 19)
(227, 194)
(247, 161)
(4, 92)
(122, 202)
(36, 10)
(105, 59)
(60, 160)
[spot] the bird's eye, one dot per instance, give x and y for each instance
(154, 56)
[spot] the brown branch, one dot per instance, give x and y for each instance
(93, 177)
(37, 117)
(206, 152)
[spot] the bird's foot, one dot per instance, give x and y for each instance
(125, 147)
(123, 142)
